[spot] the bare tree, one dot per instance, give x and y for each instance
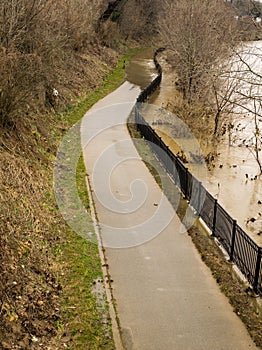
(199, 33)
(250, 97)
(78, 20)
(225, 80)
(138, 19)
(257, 145)
(238, 92)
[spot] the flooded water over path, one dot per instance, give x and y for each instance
(233, 180)
(141, 70)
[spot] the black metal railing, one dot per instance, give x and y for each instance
(242, 250)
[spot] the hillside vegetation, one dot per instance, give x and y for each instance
(53, 55)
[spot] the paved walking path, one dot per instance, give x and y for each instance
(166, 297)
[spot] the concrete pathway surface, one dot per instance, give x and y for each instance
(166, 297)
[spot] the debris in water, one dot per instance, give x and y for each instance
(251, 220)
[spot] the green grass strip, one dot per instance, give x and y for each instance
(83, 320)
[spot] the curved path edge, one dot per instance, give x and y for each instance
(166, 297)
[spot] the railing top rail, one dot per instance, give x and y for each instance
(243, 239)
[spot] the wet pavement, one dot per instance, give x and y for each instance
(166, 298)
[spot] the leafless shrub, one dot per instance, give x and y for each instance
(198, 33)
(40, 45)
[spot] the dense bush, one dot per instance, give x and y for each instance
(39, 41)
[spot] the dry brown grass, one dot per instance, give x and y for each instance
(46, 269)
(30, 289)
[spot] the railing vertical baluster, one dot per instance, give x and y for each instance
(234, 227)
(167, 159)
(199, 197)
(186, 182)
(177, 173)
(214, 218)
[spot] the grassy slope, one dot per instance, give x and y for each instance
(47, 270)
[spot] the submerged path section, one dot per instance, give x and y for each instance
(166, 298)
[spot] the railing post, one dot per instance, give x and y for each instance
(186, 189)
(167, 159)
(257, 272)
(234, 229)
(175, 174)
(214, 218)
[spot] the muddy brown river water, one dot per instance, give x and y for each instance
(233, 180)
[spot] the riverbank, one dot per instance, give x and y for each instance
(228, 164)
